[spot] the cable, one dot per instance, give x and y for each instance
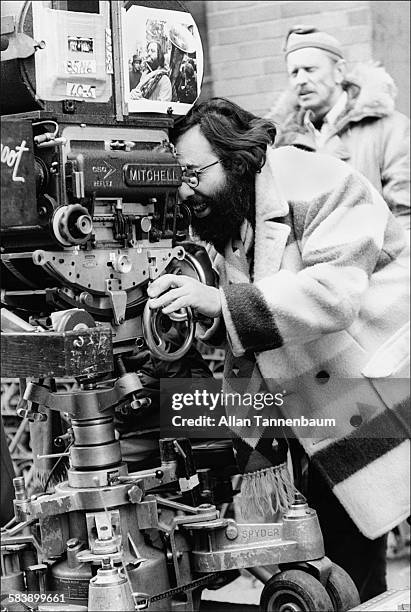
(49, 122)
(54, 468)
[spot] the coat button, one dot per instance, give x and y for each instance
(356, 420)
(322, 377)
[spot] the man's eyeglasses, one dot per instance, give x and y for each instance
(192, 177)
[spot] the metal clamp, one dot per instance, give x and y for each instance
(141, 601)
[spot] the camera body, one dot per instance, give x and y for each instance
(89, 189)
(92, 220)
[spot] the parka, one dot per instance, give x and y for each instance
(370, 134)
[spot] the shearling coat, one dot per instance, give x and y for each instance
(325, 311)
(370, 134)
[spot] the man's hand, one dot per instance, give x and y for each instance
(172, 292)
(135, 94)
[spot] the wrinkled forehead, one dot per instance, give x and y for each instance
(193, 148)
(308, 57)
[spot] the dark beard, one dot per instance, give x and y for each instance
(230, 206)
(153, 64)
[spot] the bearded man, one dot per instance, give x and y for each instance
(313, 299)
(155, 83)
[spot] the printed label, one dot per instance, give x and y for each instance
(109, 52)
(80, 90)
(105, 168)
(101, 183)
(75, 66)
(254, 533)
(12, 157)
(142, 174)
(80, 44)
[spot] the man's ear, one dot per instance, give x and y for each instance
(340, 71)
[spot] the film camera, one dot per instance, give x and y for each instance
(89, 194)
(89, 216)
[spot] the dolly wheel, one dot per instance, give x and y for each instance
(294, 591)
(342, 590)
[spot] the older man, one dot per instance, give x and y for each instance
(313, 299)
(350, 116)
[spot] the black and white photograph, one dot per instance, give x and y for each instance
(164, 57)
(205, 306)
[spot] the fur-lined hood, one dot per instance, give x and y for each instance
(371, 93)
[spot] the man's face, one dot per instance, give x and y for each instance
(315, 78)
(220, 201)
(194, 151)
(152, 56)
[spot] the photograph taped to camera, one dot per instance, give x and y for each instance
(163, 60)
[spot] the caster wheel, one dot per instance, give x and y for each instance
(342, 590)
(294, 591)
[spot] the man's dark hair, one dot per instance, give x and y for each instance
(160, 53)
(238, 138)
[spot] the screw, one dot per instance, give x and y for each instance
(135, 494)
(299, 500)
(231, 532)
(20, 488)
(85, 298)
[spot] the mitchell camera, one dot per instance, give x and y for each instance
(89, 217)
(89, 177)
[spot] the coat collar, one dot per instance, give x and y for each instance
(270, 202)
(271, 233)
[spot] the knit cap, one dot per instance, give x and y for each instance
(301, 37)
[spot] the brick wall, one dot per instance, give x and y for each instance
(245, 41)
(391, 44)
